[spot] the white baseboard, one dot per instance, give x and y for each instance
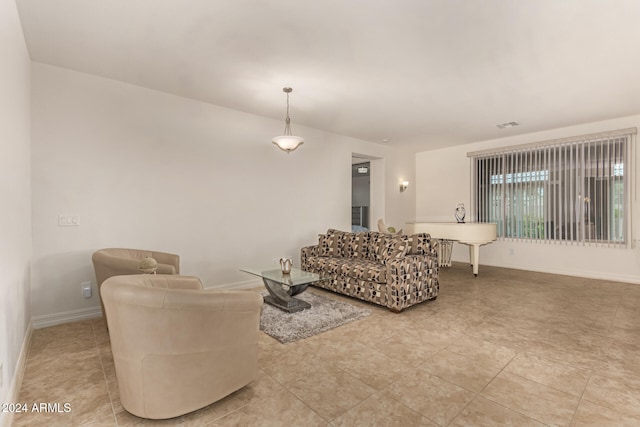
(6, 419)
(46, 320)
(584, 274)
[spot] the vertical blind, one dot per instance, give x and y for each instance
(573, 190)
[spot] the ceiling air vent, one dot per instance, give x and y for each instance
(507, 125)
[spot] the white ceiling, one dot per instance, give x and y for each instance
(421, 73)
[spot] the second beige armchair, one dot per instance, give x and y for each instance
(120, 261)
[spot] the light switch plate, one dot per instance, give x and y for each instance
(68, 220)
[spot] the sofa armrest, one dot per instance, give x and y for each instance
(171, 281)
(168, 260)
(401, 271)
(306, 252)
(423, 244)
(412, 278)
(166, 269)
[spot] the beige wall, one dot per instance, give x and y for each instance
(145, 169)
(15, 191)
(443, 180)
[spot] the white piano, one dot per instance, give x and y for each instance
(473, 234)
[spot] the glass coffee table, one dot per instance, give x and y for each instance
(283, 287)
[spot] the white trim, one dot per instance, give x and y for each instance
(245, 284)
(624, 278)
(46, 320)
(6, 419)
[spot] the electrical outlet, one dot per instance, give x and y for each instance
(86, 289)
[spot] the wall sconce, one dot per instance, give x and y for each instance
(404, 185)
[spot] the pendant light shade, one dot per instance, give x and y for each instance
(287, 142)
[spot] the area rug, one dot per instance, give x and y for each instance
(324, 314)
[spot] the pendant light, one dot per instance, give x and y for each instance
(287, 142)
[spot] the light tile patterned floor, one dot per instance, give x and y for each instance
(506, 348)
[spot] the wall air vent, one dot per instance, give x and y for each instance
(507, 125)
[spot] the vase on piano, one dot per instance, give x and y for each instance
(460, 212)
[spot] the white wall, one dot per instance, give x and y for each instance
(145, 169)
(443, 180)
(15, 191)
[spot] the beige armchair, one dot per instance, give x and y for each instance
(118, 261)
(176, 347)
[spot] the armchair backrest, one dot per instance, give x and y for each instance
(118, 261)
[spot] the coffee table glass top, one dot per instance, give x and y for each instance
(295, 278)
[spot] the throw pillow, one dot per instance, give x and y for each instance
(351, 245)
(340, 237)
(148, 265)
(377, 245)
(395, 248)
(326, 245)
(363, 251)
(374, 246)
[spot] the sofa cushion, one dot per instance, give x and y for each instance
(395, 247)
(328, 265)
(364, 270)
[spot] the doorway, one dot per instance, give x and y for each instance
(367, 191)
(360, 194)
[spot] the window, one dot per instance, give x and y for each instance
(569, 190)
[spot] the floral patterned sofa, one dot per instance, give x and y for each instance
(395, 271)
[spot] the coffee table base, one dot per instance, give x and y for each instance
(281, 296)
(292, 306)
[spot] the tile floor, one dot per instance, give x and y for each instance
(506, 348)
